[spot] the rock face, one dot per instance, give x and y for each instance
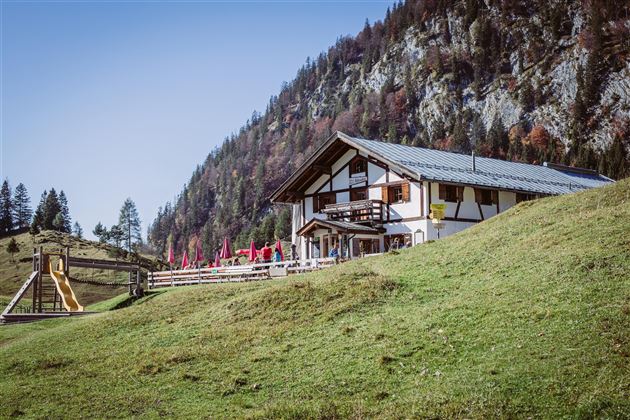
(554, 75)
(530, 81)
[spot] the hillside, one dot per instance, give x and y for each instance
(524, 315)
(14, 270)
(527, 81)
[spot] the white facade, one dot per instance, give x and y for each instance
(406, 219)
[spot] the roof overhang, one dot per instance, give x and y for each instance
(318, 164)
(355, 228)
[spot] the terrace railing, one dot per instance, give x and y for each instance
(361, 211)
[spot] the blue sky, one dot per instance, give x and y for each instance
(115, 99)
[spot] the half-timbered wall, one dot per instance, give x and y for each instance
(408, 217)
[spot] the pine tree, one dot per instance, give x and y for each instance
(461, 142)
(617, 161)
(59, 223)
(497, 137)
(38, 218)
(283, 224)
(6, 208)
(101, 232)
(116, 236)
(65, 213)
(22, 211)
(478, 131)
(77, 230)
(129, 223)
(13, 248)
(527, 96)
(51, 209)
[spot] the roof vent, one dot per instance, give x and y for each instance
(473, 161)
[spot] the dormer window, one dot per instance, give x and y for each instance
(358, 165)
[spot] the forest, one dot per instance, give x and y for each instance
(469, 52)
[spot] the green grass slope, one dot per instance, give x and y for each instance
(524, 315)
(14, 270)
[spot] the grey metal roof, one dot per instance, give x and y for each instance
(437, 165)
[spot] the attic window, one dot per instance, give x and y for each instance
(451, 193)
(524, 197)
(358, 165)
(486, 197)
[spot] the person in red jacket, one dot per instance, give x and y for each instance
(266, 253)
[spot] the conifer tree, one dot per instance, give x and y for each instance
(22, 211)
(77, 230)
(65, 213)
(116, 236)
(101, 232)
(527, 96)
(51, 209)
(617, 161)
(461, 142)
(6, 208)
(59, 223)
(129, 224)
(38, 218)
(13, 248)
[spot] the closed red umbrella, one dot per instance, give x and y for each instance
(279, 248)
(217, 260)
(226, 252)
(252, 251)
(185, 260)
(199, 253)
(171, 254)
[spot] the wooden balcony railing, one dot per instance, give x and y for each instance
(362, 211)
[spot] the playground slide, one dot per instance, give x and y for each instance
(63, 287)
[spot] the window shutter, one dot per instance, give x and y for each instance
(385, 194)
(405, 192)
(460, 194)
(442, 195)
(315, 203)
(495, 197)
(478, 198)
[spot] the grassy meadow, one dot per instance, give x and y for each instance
(524, 315)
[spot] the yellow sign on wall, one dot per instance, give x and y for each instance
(437, 211)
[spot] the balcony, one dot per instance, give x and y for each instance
(363, 211)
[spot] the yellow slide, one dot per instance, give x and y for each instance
(64, 289)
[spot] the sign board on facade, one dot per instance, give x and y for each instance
(357, 179)
(438, 211)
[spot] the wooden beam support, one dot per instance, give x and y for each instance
(325, 169)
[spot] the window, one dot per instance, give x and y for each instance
(358, 194)
(322, 200)
(524, 197)
(451, 193)
(486, 197)
(398, 193)
(358, 165)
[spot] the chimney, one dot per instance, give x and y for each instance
(473, 161)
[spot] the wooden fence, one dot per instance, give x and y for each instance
(236, 273)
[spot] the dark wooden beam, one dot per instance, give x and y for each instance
(325, 169)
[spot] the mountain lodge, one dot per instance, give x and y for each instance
(369, 196)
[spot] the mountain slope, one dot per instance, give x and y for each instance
(525, 314)
(529, 81)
